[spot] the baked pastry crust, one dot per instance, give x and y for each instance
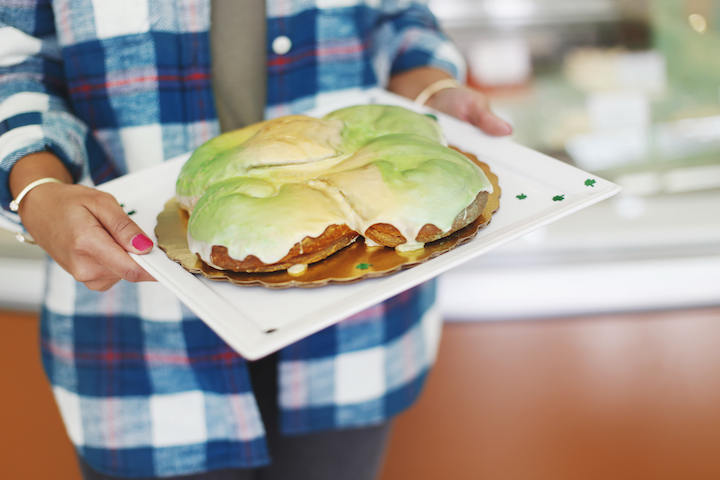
(310, 250)
(389, 236)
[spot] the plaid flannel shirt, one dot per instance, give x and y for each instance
(143, 386)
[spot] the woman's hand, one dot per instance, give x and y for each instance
(464, 103)
(84, 230)
(469, 106)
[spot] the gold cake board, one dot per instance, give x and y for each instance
(355, 262)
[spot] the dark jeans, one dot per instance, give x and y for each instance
(352, 454)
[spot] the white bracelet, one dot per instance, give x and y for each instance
(434, 88)
(23, 239)
(15, 204)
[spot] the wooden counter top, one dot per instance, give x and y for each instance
(621, 397)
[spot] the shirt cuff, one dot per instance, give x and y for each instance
(426, 48)
(33, 132)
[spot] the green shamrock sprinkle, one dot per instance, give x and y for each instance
(559, 198)
(131, 212)
(522, 196)
(590, 182)
(431, 116)
(363, 266)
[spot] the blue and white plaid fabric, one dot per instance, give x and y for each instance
(143, 386)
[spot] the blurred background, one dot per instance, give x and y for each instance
(587, 349)
(627, 90)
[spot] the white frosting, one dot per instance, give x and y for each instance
(298, 269)
(291, 178)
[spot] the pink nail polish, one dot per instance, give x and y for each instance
(141, 242)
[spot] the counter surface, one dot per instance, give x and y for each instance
(623, 254)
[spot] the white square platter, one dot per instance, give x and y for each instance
(256, 321)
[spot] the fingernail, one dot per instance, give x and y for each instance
(141, 242)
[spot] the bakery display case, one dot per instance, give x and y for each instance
(613, 87)
(629, 91)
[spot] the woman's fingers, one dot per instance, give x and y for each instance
(487, 121)
(470, 106)
(87, 233)
(120, 226)
(99, 257)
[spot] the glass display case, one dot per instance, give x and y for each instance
(627, 90)
(630, 91)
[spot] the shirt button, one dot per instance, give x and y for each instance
(281, 45)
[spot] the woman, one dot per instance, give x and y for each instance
(93, 90)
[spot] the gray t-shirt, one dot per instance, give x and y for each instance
(238, 41)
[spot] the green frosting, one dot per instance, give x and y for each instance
(264, 188)
(244, 213)
(231, 154)
(210, 160)
(364, 123)
(407, 181)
